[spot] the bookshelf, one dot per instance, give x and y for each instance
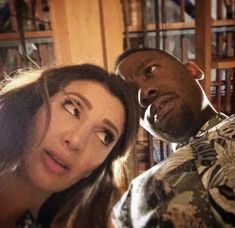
(25, 36)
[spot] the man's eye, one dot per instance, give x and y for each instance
(71, 106)
(150, 69)
(105, 136)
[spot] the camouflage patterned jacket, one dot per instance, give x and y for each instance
(195, 187)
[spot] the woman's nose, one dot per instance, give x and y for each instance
(75, 140)
(146, 96)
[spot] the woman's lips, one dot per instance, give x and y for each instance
(53, 163)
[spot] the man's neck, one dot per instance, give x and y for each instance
(205, 115)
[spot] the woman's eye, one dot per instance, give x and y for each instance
(150, 69)
(105, 136)
(72, 107)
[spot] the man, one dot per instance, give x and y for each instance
(195, 187)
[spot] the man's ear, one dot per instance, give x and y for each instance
(196, 72)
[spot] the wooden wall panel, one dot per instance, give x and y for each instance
(61, 37)
(113, 30)
(203, 40)
(86, 31)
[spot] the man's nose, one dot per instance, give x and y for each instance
(146, 96)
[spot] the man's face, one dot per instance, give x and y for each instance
(169, 97)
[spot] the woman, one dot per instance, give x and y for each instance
(60, 131)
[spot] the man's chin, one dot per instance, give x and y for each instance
(168, 137)
(173, 128)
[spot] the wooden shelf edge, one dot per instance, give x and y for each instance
(180, 25)
(223, 63)
(28, 35)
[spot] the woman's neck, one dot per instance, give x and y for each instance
(17, 196)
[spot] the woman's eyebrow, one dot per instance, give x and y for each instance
(80, 96)
(112, 125)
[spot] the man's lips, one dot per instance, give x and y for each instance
(159, 109)
(55, 163)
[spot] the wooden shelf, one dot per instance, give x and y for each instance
(28, 35)
(223, 63)
(180, 25)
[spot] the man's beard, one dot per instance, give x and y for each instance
(180, 124)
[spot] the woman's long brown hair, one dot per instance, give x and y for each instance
(88, 203)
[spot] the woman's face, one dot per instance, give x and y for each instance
(86, 123)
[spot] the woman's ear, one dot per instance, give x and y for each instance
(196, 72)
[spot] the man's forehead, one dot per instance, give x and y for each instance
(136, 62)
